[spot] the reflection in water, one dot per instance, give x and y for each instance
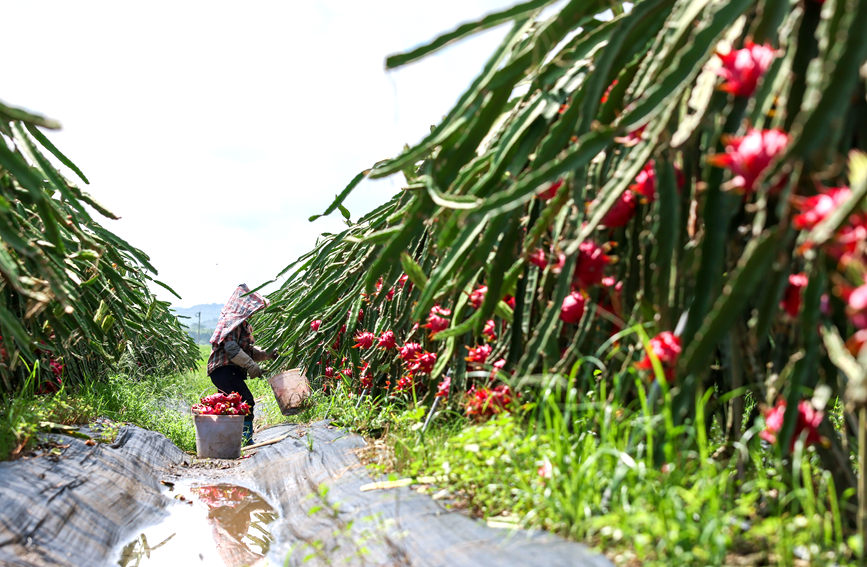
(220, 524)
(237, 516)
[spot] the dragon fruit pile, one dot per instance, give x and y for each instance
(222, 404)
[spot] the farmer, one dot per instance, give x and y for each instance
(233, 355)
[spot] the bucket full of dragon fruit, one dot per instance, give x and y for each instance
(219, 421)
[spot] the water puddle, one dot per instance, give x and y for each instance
(211, 524)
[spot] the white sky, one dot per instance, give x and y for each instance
(215, 129)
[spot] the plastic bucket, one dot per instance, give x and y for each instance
(291, 390)
(218, 436)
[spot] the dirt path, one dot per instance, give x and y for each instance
(303, 500)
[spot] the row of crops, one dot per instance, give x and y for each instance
(672, 193)
(74, 297)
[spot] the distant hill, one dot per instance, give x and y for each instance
(210, 311)
(210, 314)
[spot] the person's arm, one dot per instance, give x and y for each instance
(239, 357)
(256, 353)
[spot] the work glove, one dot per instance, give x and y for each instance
(259, 355)
(243, 360)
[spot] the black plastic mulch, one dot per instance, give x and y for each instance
(79, 507)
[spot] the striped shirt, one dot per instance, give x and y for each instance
(242, 334)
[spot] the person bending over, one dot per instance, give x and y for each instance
(233, 354)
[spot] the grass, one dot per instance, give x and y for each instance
(584, 466)
(157, 403)
(27, 413)
(160, 404)
(579, 464)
